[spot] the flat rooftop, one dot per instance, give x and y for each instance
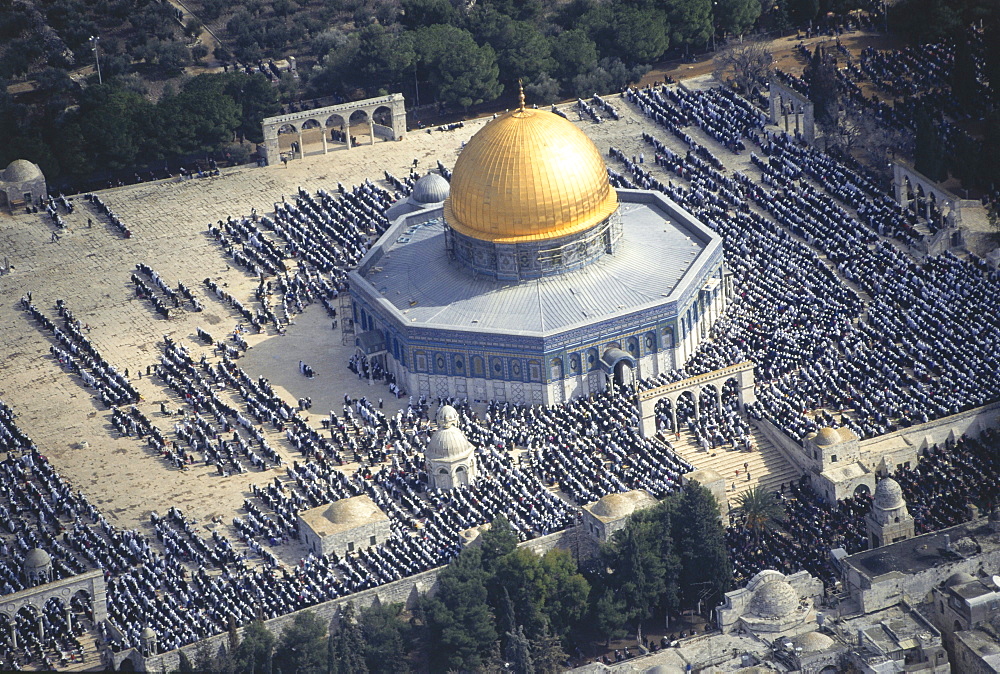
(655, 252)
(924, 552)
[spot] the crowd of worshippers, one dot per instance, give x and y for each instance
(74, 352)
(938, 491)
(815, 342)
(143, 290)
(112, 217)
(596, 107)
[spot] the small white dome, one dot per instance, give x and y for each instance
(827, 436)
(431, 189)
(775, 599)
(21, 170)
(348, 510)
(613, 506)
(888, 495)
(36, 558)
(812, 642)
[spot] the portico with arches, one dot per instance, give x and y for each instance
(321, 130)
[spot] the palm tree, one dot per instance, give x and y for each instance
(760, 508)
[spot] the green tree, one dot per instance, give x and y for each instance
(700, 542)
(639, 34)
(462, 72)
(929, 154)
(736, 16)
(821, 75)
(802, 12)
(256, 97)
(759, 509)
(384, 635)
(574, 53)
(346, 648)
(302, 647)
(547, 654)
(113, 120)
(382, 58)
(565, 592)
(458, 617)
(690, 21)
(253, 655)
(199, 118)
(496, 542)
(522, 51)
(422, 13)
(543, 89)
(964, 84)
(638, 570)
(518, 652)
(609, 615)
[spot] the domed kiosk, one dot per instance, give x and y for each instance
(536, 281)
(344, 526)
(21, 183)
(449, 455)
(771, 603)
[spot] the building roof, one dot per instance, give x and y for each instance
(827, 436)
(449, 442)
(927, 551)
(343, 515)
(36, 558)
(774, 599)
(21, 170)
(528, 175)
(618, 506)
(658, 260)
(888, 494)
(430, 189)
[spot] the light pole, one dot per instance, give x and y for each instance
(97, 59)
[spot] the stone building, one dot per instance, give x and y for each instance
(889, 520)
(535, 281)
(21, 183)
(344, 526)
(602, 518)
(449, 456)
(772, 604)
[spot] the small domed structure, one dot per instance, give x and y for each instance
(613, 506)
(827, 436)
(774, 599)
(37, 566)
(812, 642)
(147, 637)
(888, 494)
(351, 510)
(960, 578)
(431, 189)
(21, 183)
(20, 170)
(449, 454)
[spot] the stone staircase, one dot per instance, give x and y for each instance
(768, 465)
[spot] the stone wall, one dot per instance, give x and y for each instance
(403, 591)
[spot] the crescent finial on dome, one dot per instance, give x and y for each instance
(520, 92)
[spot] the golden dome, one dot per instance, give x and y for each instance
(528, 175)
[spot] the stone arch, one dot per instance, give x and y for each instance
(686, 407)
(709, 398)
(649, 342)
(575, 363)
(382, 122)
(556, 369)
(461, 475)
(667, 337)
(632, 346)
(737, 379)
(336, 130)
(359, 123)
(666, 418)
(593, 361)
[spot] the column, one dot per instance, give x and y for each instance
(718, 399)
(673, 415)
(371, 129)
(41, 628)
(323, 136)
(13, 633)
(301, 153)
(347, 133)
(69, 618)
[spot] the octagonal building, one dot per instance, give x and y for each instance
(536, 281)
